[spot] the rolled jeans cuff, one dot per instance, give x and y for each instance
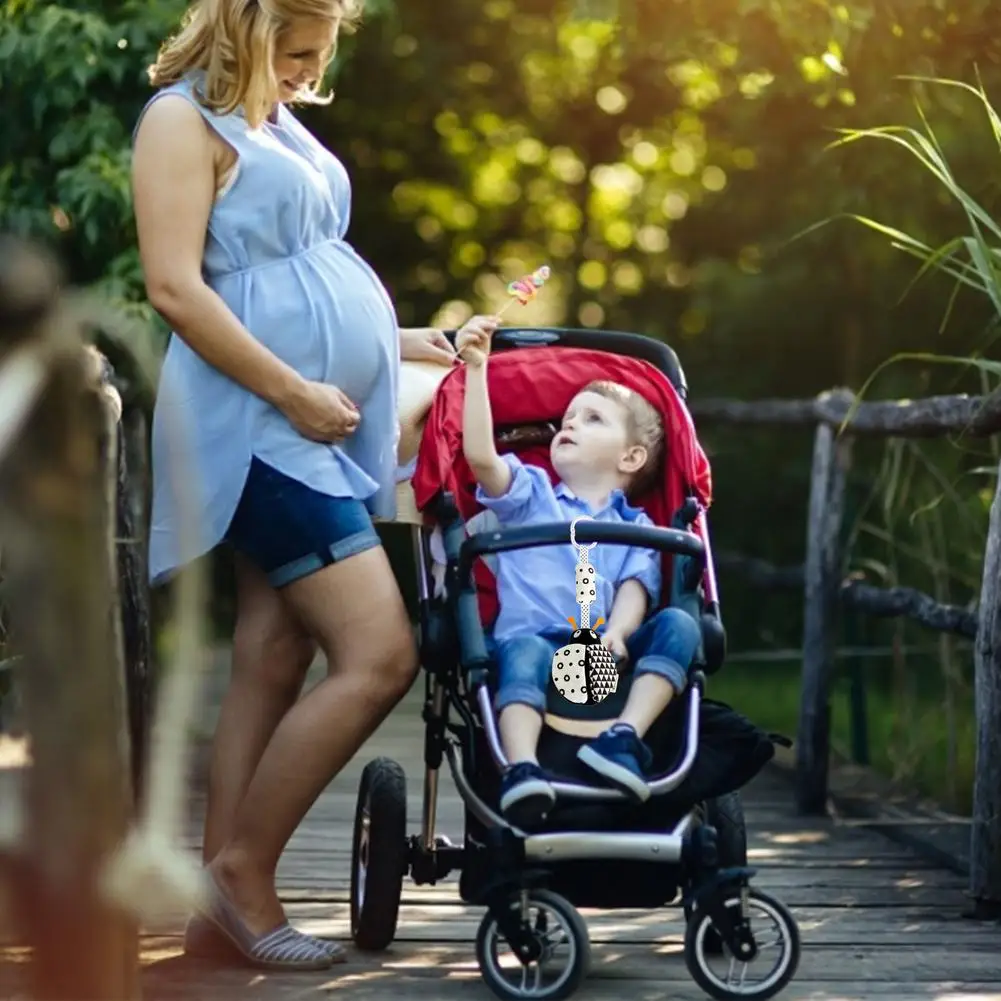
(663, 667)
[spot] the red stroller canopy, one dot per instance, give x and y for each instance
(532, 386)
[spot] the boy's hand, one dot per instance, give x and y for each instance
(615, 643)
(472, 342)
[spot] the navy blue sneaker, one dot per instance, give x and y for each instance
(526, 795)
(621, 759)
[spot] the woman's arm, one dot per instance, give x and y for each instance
(174, 185)
(425, 344)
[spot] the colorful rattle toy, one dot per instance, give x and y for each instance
(523, 290)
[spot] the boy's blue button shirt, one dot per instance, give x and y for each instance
(536, 588)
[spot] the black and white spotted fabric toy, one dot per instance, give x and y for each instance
(584, 671)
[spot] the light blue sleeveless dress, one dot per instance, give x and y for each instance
(276, 254)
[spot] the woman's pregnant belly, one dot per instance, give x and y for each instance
(324, 313)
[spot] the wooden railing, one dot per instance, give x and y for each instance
(74, 584)
(839, 419)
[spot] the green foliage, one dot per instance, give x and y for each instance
(972, 260)
(79, 72)
(660, 155)
(924, 488)
(908, 732)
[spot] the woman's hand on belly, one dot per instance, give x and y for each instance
(320, 412)
(426, 344)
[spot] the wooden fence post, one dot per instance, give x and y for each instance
(57, 509)
(985, 847)
(822, 577)
(134, 590)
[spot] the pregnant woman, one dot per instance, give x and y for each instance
(275, 430)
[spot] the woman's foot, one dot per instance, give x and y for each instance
(244, 907)
(249, 888)
(203, 940)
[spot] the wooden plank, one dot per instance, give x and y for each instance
(931, 417)
(889, 882)
(664, 963)
(423, 972)
(363, 988)
(335, 853)
(179, 980)
(866, 909)
(444, 923)
(795, 895)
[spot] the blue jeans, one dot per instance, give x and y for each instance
(290, 530)
(664, 645)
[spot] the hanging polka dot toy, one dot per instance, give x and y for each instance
(584, 671)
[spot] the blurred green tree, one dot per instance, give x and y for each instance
(659, 154)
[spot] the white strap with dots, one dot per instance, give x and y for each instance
(587, 590)
(583, 671)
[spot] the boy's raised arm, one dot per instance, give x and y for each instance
(491, 472)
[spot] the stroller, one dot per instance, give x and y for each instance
(595, 849)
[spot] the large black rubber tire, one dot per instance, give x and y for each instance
(379, 855)
(696, 954)
(577, 971)
(726, 814)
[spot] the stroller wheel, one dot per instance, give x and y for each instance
(726, 815)
(378, 854)
(773, 958)
(556, 950)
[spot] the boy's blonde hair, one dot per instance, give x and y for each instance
(644, 426)
(233, 43)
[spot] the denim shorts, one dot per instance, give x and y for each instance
(290, 530)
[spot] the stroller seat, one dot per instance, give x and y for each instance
(597, 848)
(529, 391)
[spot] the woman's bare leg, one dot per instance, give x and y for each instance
(355, 610)
(271, 655)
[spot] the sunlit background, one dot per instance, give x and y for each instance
(666, 158)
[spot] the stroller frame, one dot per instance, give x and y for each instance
(501, 865)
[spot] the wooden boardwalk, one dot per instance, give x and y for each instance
(877, 922)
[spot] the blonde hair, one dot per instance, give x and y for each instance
(233, 43)
(644, 426)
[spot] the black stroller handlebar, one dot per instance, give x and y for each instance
(462, 551)
(672, 540)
